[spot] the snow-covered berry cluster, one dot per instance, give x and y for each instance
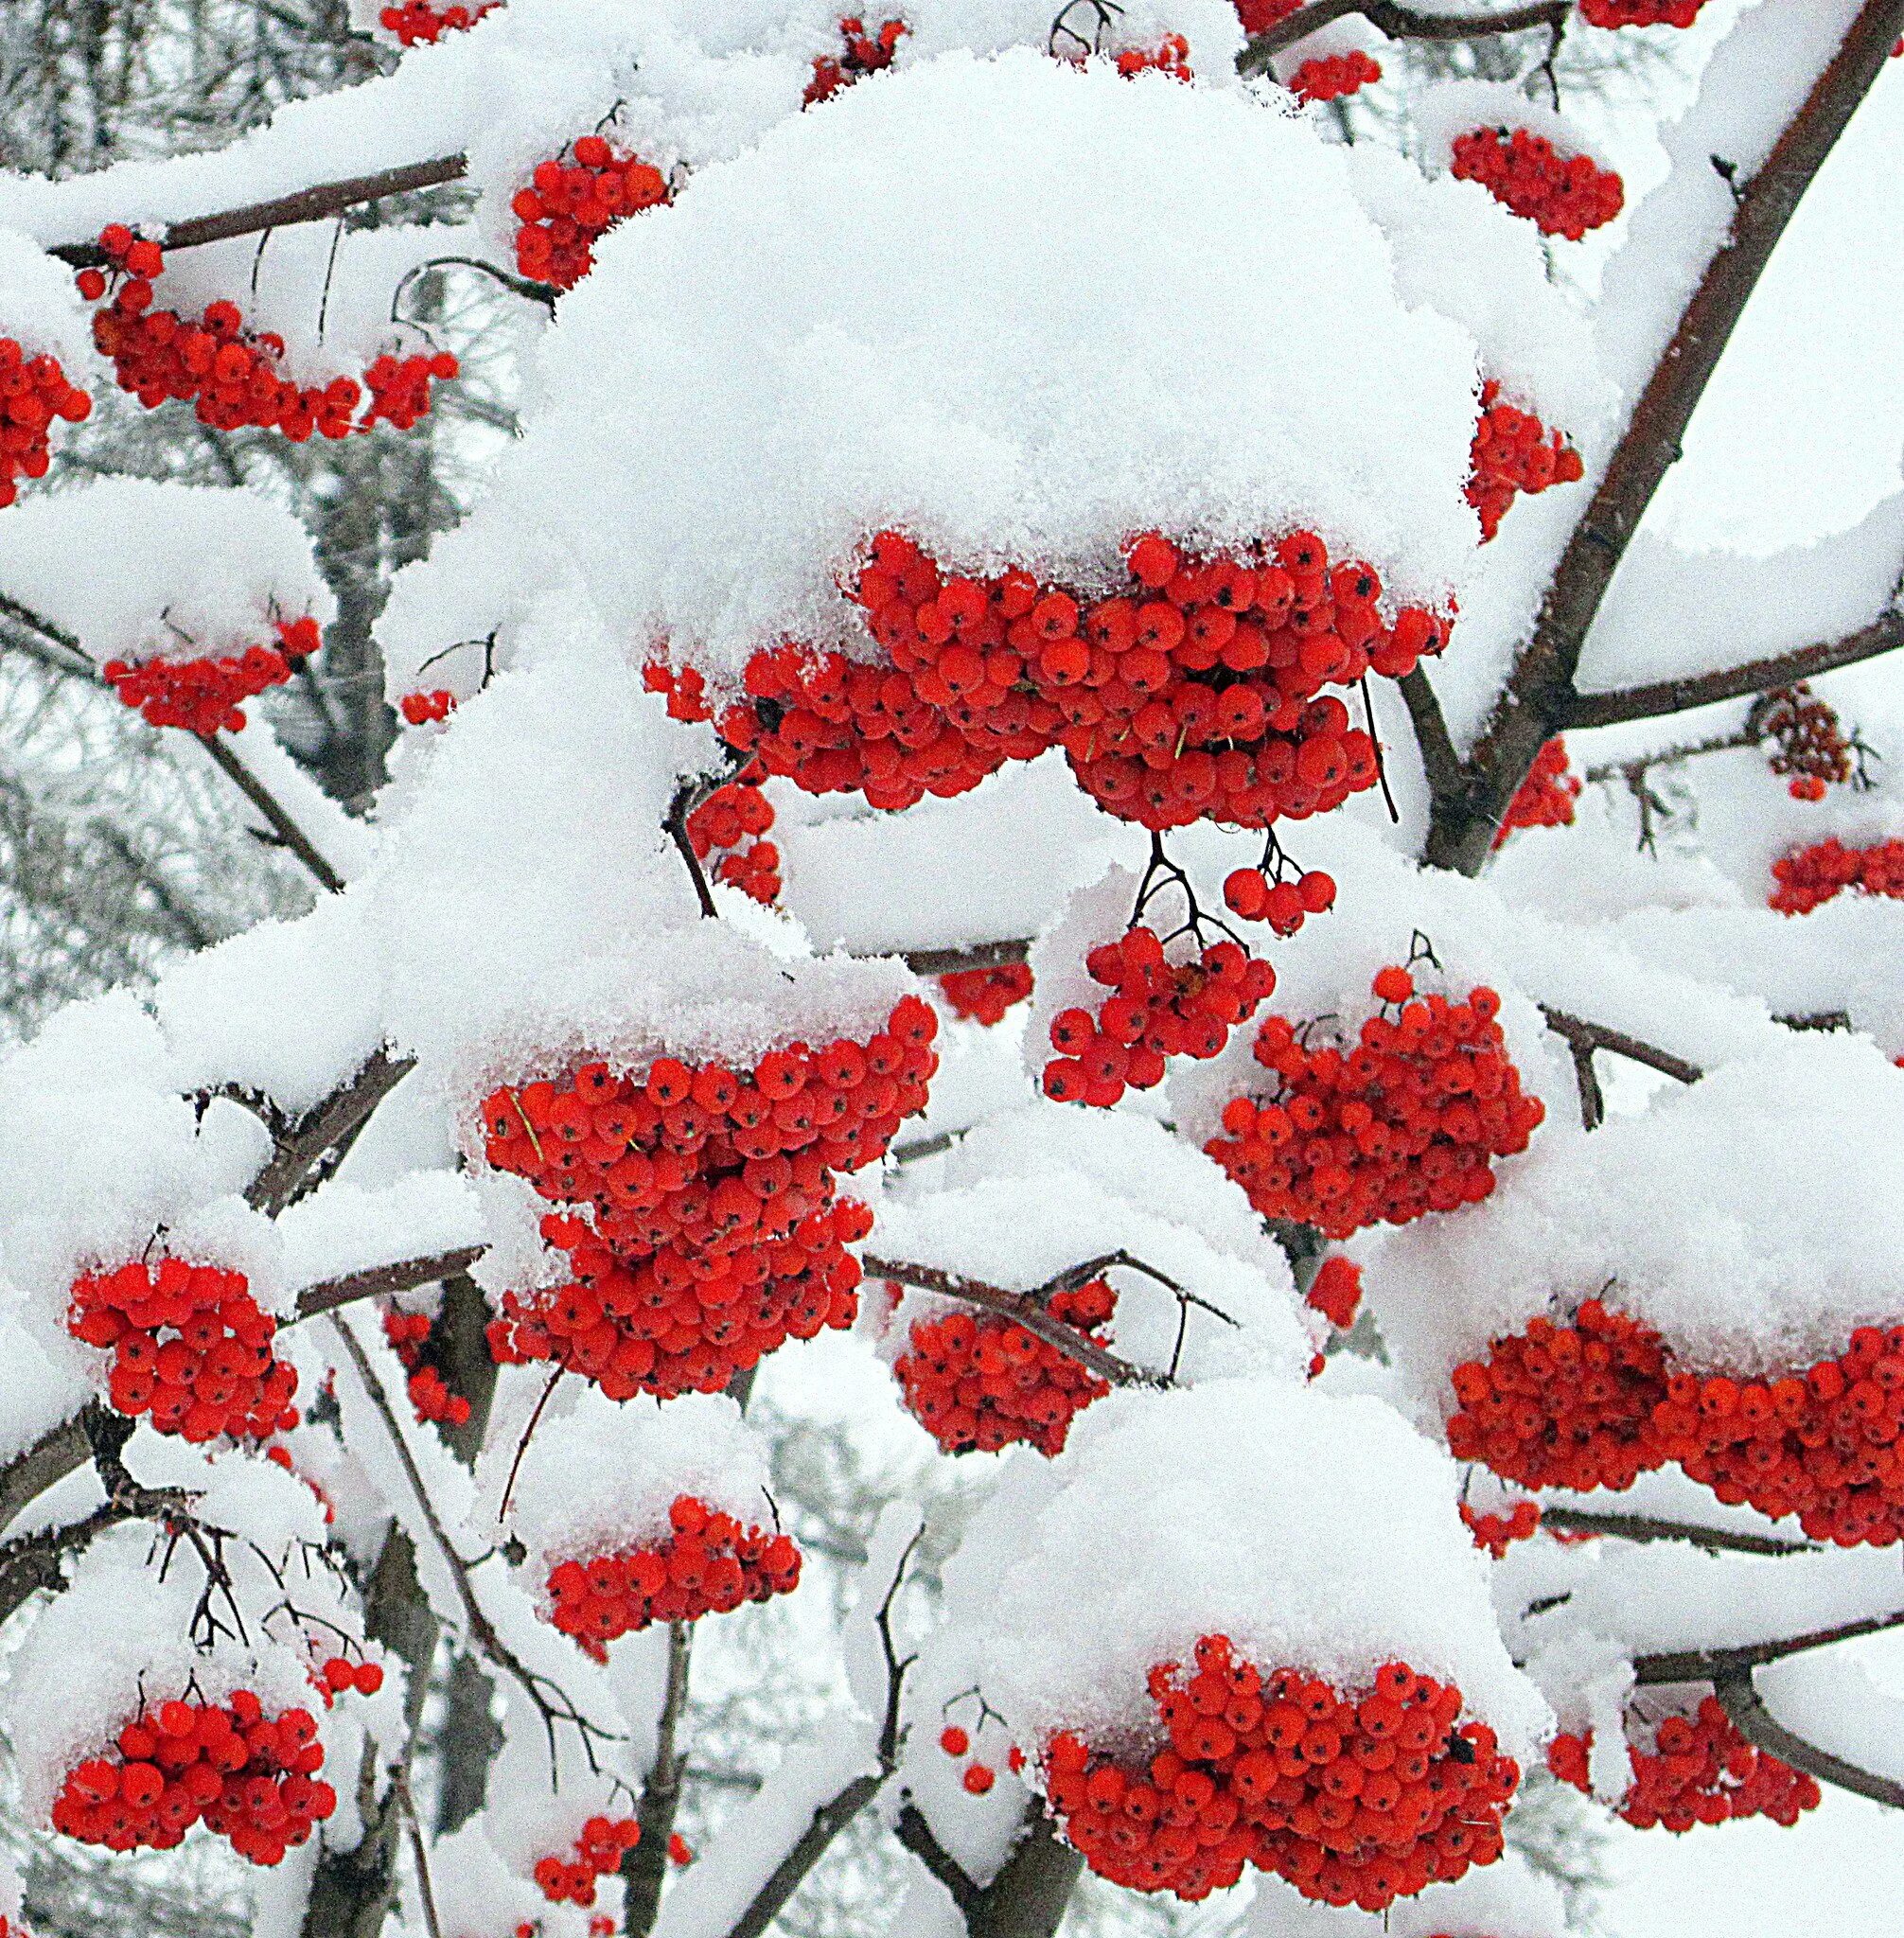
(1809, 876)
(1407, 1121)
(250, 1778)
(1352, 1799)
(1157, 1008)
(701, 1222)
(1329, 76)
(418, 22)
(1700, 1769)
(861, 52)
(1194, 692)
(1170, 56)
(735, 817)
(1546, 797)
(420, 708)
(191, 1348)
(981, 1380)
(1640, 12)
(1335, 1292)
(983, 995)
(707, 1564)
(33, 392)
(1561, 194)
(597, 1852)
(1809, 746)
(430, 1394)
(1513, 451)
(568, 206)
(1496, 1532)
(1597, 1402)
(202, 693)
(1259, 16)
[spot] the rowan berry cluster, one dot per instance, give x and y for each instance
(1513, 451)
(1259, 16)
(409, 1334)
(1284, 902)
(860, 53)
(1170, 56)
(1809, 876)
(1497, 1533)
(202, 693)
(417, 21)
(250, 1778)
(983, 995)
(1157, 1008)
(976, 1777)
(1561, 195)
(1701, 1770)
(1194, 693)
(569, 206)
(1353, 1800)
(33, 392)
(191, 1349)
(701, 1222)
(734, 818)
(1329, 76)
(1545, 799)
(598, 1853)
(1335, 1292)
(1640, 12)
(231, 374)
(340, 1676)
(1407, 1121)
(1601, 1401)
(419, 708)
(1809, 744)
(707, 1564)
(981, 1380)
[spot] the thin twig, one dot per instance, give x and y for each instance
(1651, 1527)
(1704, 1664)
(1592, 1036)
(425, 1890)
(284, 829)
(1741, 1701)
(324, 1133)
(1400, 24)
(380, 1281)
(917, 1835)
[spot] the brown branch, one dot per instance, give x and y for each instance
(33, 1561)
(1028, 1897)
(54, 634)
(1540, 695)
(1741, 1701)
(918, 1836)
(285, 830)
(324, 1133)
(644, 1868)
(1588, 1038)
(1441, 763)
(380, 1281)
(313, 205)
(1023, 1306)
(961, 956)
(1707, 1664)
(57, 1451)
(1400, 24)
(1884, 634)
(1649, 1527)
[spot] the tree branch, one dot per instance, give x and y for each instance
(324, 1133)
(1400, 24)
(1648, 1528)
(277, 816)
(1707, 1664)
(1441, 763)
(918, 1836)
(1885, 634)
(57, 1451)
(646, 1867)
(1742, 1702)
(1539, 695)
(380, 1281)
(36, 1560)
(962, 956)
(313, 205)
(1586, 1037)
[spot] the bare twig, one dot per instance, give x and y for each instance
(1441, 763)
(1650, 1528)
(321, 1136)
(1400, 24)
(1705, 1664)
(961, 956)
(380, 1281)
(1583, 1036)
(918, 1836)
(284, 828)
(425, 1888)
(34, 1562)
(1741, 1701)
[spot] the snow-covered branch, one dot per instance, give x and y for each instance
(1403, 24)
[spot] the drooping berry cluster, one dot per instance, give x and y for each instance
(976, 1777)
(1700, 1769)
(1285, 901)
(417, 21)
(250, 1778)
(33, 392)
(420, 708)
(1335, 1292)
(983, 995)
(707, 1564)
(1513, 451)
(1809, 876)
(862, 53)
(231, 374)
(1194, 692)
(1601, 1401)
(569, 206)
(1808, 742)
(340, 1676)
(1561, 195)
(981, 1380)
(1407, 1121)
(409, 1334)
(1640, 12)
(702, 1226)
(191, 1349)
(1329, 76)
(202, 693)
(734, 818)
(598, 1853)
(1353, 1800)
(1546, 797)
(1497, 1533)
(1157, 1008)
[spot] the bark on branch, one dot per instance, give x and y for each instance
(324, 1133)
(1649, 1527)
(1741, 1701)
(1402, 24)
(380, 1281)
(1577, 1029)
(1707, 1664)
(285, 831)
(950, 962)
